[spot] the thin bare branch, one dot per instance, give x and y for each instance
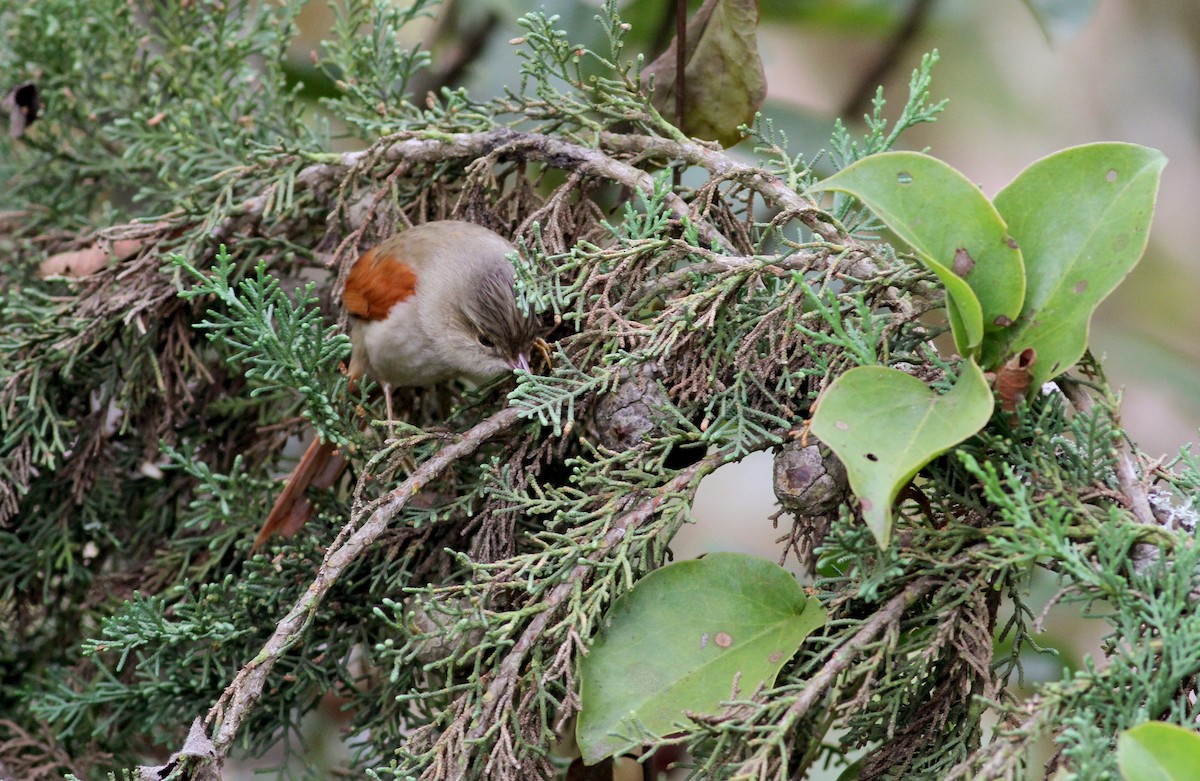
(239, 697)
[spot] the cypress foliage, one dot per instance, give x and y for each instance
(444, 593)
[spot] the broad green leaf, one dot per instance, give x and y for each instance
(853, 770)
(1082, 218)
(1157, 751)
(724, 81)
(885, 425)
(680, 639)
(955, 230)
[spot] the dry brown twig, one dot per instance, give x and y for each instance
(421, 147)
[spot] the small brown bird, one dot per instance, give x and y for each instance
(431, 304)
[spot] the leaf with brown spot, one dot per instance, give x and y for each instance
(654, 661)
(886, 425)
(1082, 217)
(955, 230)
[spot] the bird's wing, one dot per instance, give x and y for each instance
(378, 281)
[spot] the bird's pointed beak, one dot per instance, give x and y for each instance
(522, 362)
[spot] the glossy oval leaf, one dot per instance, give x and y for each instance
(885, 425)
(1157, 751)
(1082, 218)
(954, 229)
(678, 641)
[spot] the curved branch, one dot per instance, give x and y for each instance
(243, 692)
(717, 163)
(434, 146)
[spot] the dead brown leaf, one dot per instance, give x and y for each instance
(81, 263)
(724, 83)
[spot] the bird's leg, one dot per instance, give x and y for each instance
(391, 417)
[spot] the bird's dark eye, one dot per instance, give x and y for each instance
(486, 342)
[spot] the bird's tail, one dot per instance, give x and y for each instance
(319, 467)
